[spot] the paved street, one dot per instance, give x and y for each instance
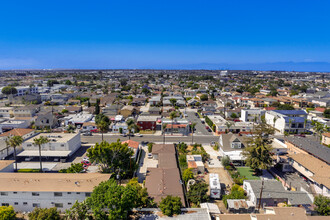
(200, 127)
(151, 138)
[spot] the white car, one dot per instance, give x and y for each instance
(138, 135)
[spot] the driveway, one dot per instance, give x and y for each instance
(144, 163)
(214, 161)
(200, 127)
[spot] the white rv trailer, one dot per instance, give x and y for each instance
(215, 187)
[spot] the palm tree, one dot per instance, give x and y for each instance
(38, 142)
(192, 126)
(172, 116)
(15, 142)
(164, 127)
(228, 124)
(103, 126)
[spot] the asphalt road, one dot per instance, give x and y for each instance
(200, 127)
(150, 138)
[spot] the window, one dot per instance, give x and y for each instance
(69, 203)
(87, 194)
(15, 192)
(78, 192)
(36, 205)
(4, 193)
(15, 203)
(62, 145)
(57, 194)
(4, 204)
(35, 194)
(69, 193)
(59, 205)
(24, 203)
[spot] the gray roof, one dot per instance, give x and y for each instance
(291, 112)
(274, 189)
(227, 139)
(311, 146)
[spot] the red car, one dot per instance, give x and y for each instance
(94, 131)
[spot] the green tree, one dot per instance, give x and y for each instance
(142, 200)
(15, 142)
(285, 107)
(322, 204)
(38, 142)
(197, 193)
(187, 175)
(236, 193)
(113, 158)
(117, 199)
(233, 115)
(74, 168)
(102, 123)
(79, 211)
(9, 90)
(173, 101)
(182, 147)
(150, 145)
(170, 205)
(258, 153)
(44, 214)
(204, 97)
(326, 113)
(68, 82)
(97, 107)
(7, 213)
(225, 161)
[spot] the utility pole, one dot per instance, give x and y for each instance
(262, 187)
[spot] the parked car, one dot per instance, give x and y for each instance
(138, 135)
(212, 143)
(94, 131)
(150, 155)
(124, 135)
(144, 142)
(88, 133)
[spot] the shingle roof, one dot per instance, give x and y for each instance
(311, 146)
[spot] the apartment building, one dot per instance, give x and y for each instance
(61, 146)
(26, 191)
(290, 121)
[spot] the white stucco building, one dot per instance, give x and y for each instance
(26, 191)
(61, 145)
(291, 121)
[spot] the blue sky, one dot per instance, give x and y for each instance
(164, 34)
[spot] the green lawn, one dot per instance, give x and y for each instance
(247, 172)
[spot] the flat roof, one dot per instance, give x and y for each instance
(45, 153)
(51, 182)
(59, 137)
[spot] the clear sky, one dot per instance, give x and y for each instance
(163, 33)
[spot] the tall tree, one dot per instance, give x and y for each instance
(258, 152)
(15, 142)
(113, 158)
(116, 199)
(172, 116)
(102, 123)
(39, 142)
